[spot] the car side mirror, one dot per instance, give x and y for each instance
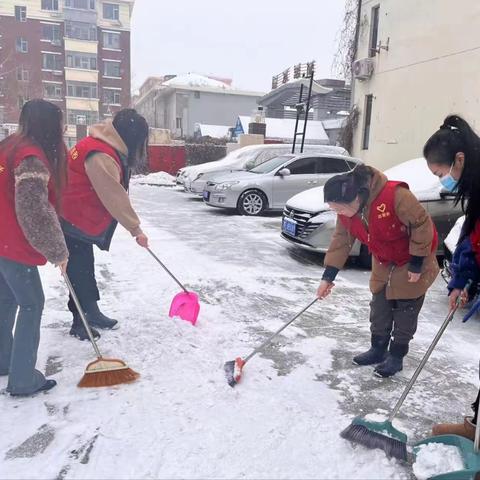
(249, 165)
(284, 172)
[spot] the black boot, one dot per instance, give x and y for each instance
(79, 331)
(48, 385)
(394, 361)
(97, 319)
(376, 354)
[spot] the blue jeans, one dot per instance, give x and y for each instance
(20, 290)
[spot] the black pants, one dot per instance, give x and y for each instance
(395, 318)
(81, 271)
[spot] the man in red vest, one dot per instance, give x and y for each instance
(95, 200)
(402, 239)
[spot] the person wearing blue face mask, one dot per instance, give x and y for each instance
(453, 155)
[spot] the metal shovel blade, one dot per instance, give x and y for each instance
(186, 306)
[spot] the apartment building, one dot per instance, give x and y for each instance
(75, 53)
(416, 62)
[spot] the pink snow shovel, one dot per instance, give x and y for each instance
(185, 304)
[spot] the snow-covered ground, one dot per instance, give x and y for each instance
(181, 419)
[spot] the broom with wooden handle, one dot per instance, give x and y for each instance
(103, 372)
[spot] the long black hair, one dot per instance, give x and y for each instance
(42, 123)
(455, 136)
(133, 129)
(346, 187)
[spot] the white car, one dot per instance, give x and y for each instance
(309, 224)
(243, 159)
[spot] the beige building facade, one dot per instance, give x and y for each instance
(417, 61)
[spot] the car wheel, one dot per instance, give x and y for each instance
(252, 202)
(365, 258)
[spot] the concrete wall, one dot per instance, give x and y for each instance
(216, 109)
(431, 70)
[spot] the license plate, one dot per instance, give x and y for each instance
(206, 195)
(289, 227)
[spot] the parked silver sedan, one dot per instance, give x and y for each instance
(271, 184)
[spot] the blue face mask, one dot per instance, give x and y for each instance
(448, 182)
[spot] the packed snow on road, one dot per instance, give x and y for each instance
(181, 419)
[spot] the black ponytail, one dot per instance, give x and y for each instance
(455, 136)
(133, 129)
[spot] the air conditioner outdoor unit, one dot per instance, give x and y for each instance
(363, 68)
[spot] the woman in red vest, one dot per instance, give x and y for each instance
(95, 200)
(32, 175)
(402, 239)
(453, 155)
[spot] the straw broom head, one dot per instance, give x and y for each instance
(106, 372)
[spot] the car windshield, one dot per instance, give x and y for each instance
(272, 164)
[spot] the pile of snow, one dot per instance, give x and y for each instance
(436, 459)
(196, 80)
(452, 238)
(420, 179)
(161, 179)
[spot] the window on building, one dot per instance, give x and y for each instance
(80, 4)
(51, 33)
(111, 40)
(22, 45)
(50, 5)
(111, 11)
(52, 90)
(197, 94)
(368, 121)
(179, 123)
(375, 18)
(20, 13)
(81, 117)
(23, 75)
(52, 61)
(81, 30)
(111, 69)
(111, 97)
(82, 90)
(81, 60)
(22, 101)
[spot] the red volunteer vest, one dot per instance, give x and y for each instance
(387, 238)
(13, 243)
(81, 206)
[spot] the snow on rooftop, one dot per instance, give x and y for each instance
(284, 128)
(214, 131)
(197, 80)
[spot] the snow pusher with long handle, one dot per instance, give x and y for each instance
(102, 372)
(185, 304)
(234, 368)
(383, 435)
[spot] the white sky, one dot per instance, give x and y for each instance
(248, 41)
